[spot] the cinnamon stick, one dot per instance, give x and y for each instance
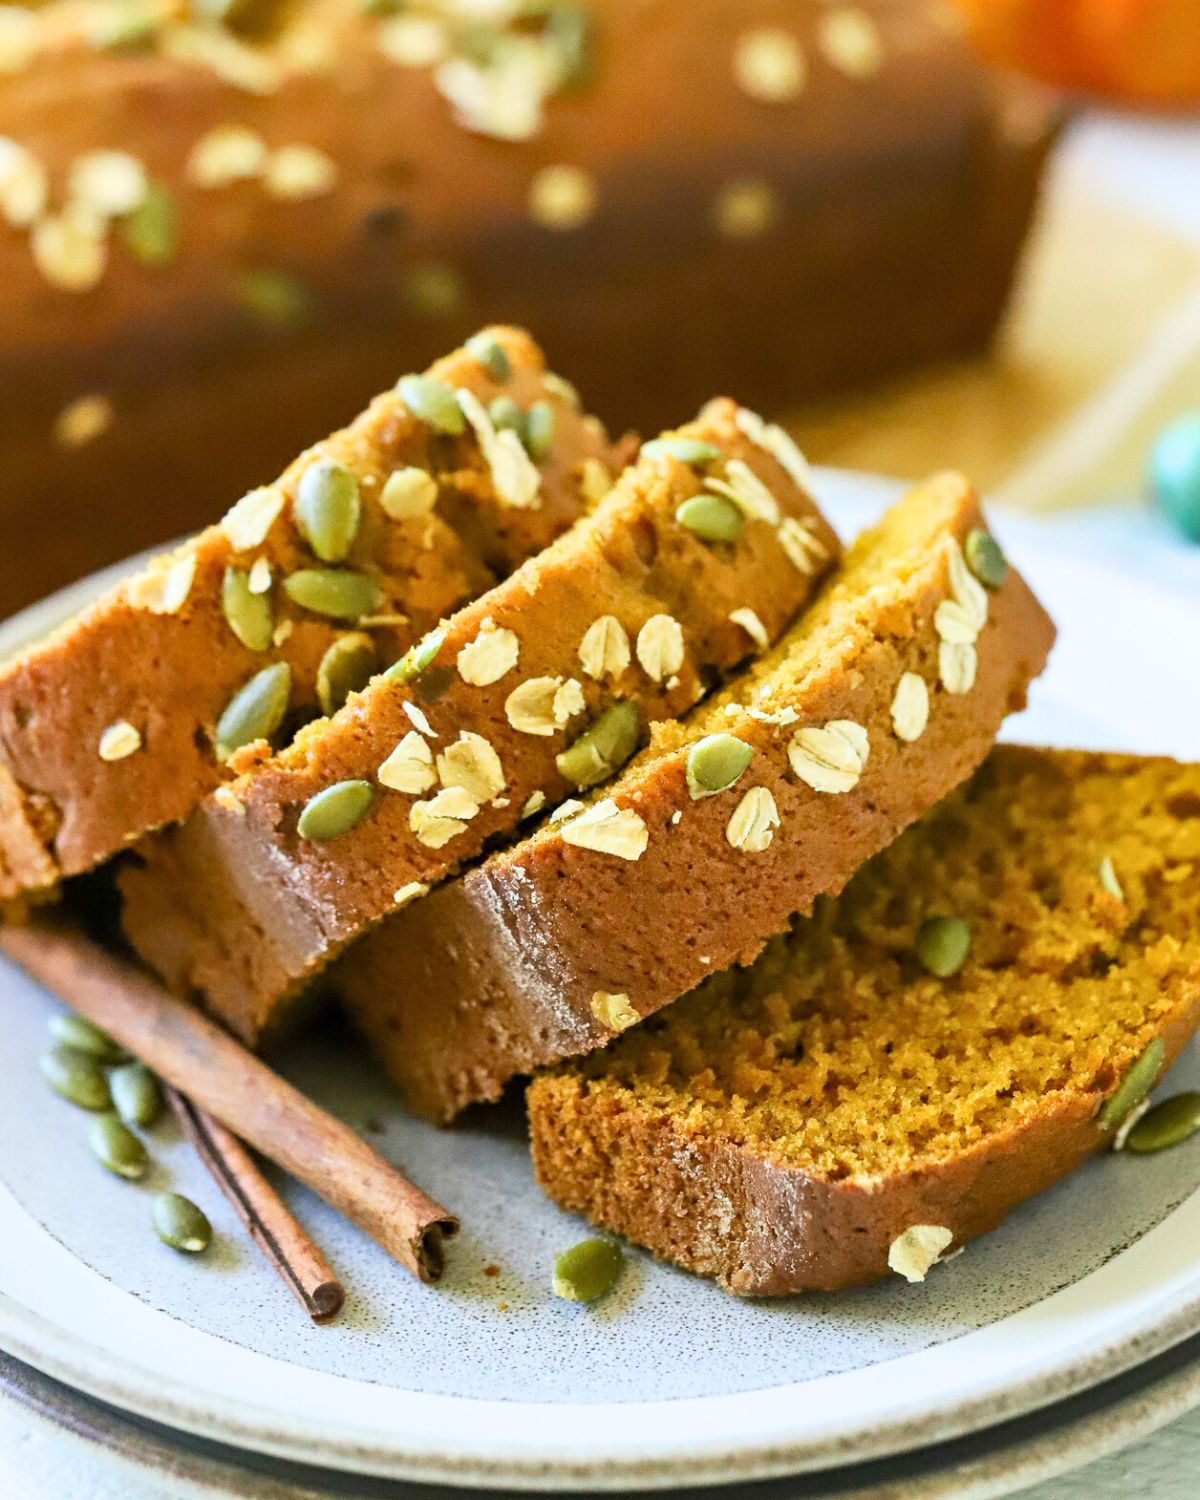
(268, 1220)
(196, 1057)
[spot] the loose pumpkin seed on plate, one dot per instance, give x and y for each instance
(116, 1147)
(432, 402)
(136, 1094)
(587, 1271)
(716, 763)
(345, 668)
(180, 1224)
(337, 593)
(76, 1077)
(248, 614)
(256, 710)
(328, 509)
(335, 811)
(1139, 1078)
(80, 1035)
(943, 944)
(712, 518)
(1168, 1124)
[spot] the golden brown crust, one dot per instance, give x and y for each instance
(426, 231)
(244, 869)
(496, 974)
(770, 1231)
(728, 1204)
(171, 674)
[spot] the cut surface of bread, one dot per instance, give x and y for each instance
(783, 1126)
(707, 544)
(860, 720)
(109, 727)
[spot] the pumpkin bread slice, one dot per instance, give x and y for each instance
(884, 696)
(705, 547)
(837, 1108)
(116, 724)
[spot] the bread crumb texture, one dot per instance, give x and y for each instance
(836, 1054)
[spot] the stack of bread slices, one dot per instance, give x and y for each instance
(557, 756)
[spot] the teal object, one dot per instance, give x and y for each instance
(1175, 475)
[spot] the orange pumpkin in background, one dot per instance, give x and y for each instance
(1143, 51)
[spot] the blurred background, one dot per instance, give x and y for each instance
(921, 232)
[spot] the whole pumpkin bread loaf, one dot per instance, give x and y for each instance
(838, 1108)
(219, 219)
(706, 547)
(126, 716)
(881, 699)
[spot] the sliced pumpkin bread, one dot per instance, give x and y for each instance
(705, 548)
(837, 1108)
(119, 722)
(884, 696)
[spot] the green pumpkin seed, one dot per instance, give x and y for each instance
(571, 31)
(587, 1271)
(1139, 1079)
(345, 668)
(716, 763)
(490, 353)
(71, 1030)
(335, 811)
(1167, 1124)
(273, 299)
(129, 29)
(152, 230)
(539, 430)
(336, 593)
(686, 450)
(985, 558)
(247, 614)
(712, 518)
(256, 710)
(943, 944)
(328, 509)
(505, 413)
(116, 1147)
(603, 749)
(416, 659)
(563, 389)
(433, 402)
(180, 1224)
(76, 1077)
(136, 1094)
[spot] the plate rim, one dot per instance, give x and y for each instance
(1058, 1440)
(1125, 1342)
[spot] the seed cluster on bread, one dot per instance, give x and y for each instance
(887, 692)
(126, 716)
(701, 554)
(836, 1110)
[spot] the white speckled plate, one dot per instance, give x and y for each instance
(488, 1379)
